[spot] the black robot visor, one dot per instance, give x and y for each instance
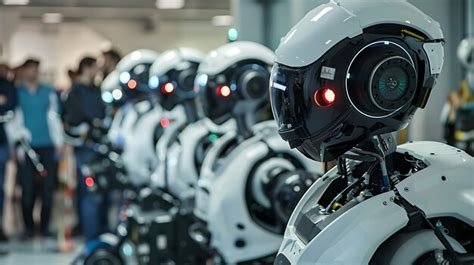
(135, 81)
(216, 95)
(293, 91)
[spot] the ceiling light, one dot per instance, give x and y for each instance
(52, 18)
(16, 2)
(170, 4)
(222, 21)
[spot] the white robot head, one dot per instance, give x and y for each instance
(466, 53)
(173, 74)
(350, 70)
(233, 79)
(466, 57)
(133, 71)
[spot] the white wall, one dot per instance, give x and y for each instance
(60, 47)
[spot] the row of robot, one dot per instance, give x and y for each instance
(194, 145)
(209, 180)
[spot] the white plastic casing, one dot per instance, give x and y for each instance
(224, 206)
(310, 39)
(353, 237)
(110, 82)
(228, 54)
(135, 58)
(175, 59)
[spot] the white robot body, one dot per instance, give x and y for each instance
(121, 124)
(177, 169)
(163, 146)
(138, 152)
(221, 196)
(443, 189)
(201, 207)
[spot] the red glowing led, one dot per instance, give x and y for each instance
(324, 97)
(223, 91)
(132, 84)
(167, 88)
(89, 182)
(165, 122)
(329, 96)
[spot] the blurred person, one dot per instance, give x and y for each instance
(8, 101)
(38, 111)
(110, 60)
(84, 110)
(4, 71)
(18, 76)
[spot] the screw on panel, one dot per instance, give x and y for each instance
(240, 243)
(385, 203)
(406, 189)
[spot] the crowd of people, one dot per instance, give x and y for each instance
(35, 116)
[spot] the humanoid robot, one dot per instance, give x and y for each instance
(172, 78)
(120, 165)
(346, 76)
(138, 128)
(248, 178)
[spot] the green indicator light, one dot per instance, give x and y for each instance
(213, 138)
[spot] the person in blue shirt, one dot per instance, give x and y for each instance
(8, 103)
(38, 110)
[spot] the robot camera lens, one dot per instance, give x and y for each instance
(393, 83)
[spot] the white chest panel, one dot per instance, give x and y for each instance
(376, 219)
(139, 154)
(223, 204)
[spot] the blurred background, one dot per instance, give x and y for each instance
(59, 33)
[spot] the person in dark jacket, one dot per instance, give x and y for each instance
(8, 102)
(83, 111)
(110, 60)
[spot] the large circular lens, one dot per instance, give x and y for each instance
(256, 86)
(253, 82)
(393, 83)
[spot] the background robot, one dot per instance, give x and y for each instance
(140, 115)
(247, 179)
(346, 75)
(458, 112)
(144, 116)
(172, 77)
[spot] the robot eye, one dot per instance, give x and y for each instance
(89, 181)
(223, 91)
(167, 88)
(324, 97)
(165, 122)
(132, 84)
